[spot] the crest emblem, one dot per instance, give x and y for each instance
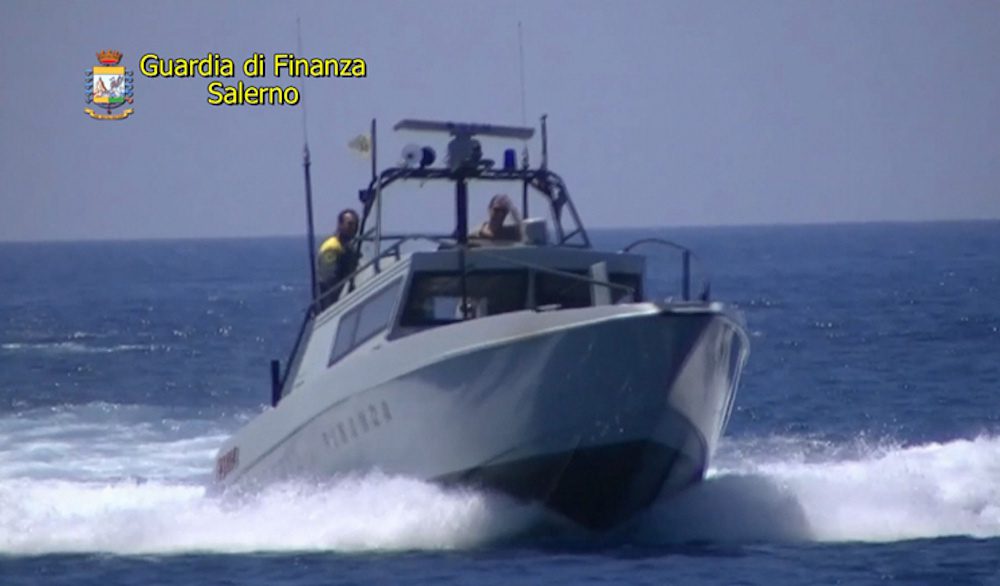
(109, 87)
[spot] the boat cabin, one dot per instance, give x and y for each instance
(410, 283)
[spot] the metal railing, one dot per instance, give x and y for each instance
(687, 256)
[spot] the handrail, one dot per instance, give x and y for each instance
(662, 241)
(292, 356)
(687, 255)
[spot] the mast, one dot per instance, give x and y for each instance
(311, 236)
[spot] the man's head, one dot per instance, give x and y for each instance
(347, 224)
(499, 207)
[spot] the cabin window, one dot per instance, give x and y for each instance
(436, 298)
(568, 292)
(362, 322)
(631, 280)
(344, 340)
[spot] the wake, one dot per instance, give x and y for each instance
(106, 478)
(784, 489)
(371, 513)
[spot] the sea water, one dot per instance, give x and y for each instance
(864, 447)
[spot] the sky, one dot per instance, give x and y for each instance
(661, 113)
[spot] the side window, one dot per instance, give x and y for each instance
(344, 341)
(361, 323)
(376, 313)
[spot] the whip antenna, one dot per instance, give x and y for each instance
(311, 236)
(524, 111)
(305, 111)
(520, 52)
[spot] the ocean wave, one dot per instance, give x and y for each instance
(77, 347)
(794, 489)
(102, 441)
(368, 513)
(136, 487)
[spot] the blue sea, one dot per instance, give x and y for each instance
(864, 448)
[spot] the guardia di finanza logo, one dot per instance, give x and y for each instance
(109, 87)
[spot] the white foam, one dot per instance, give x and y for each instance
(76, 347)
(104, 441)
(129, 479)
(790, 489)
(373, 512)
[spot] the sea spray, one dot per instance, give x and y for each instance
(794, 489)
(368, 513)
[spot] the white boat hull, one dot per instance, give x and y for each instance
(594, 418)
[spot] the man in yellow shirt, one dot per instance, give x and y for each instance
(338, 257)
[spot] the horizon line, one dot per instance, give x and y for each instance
(779, 224)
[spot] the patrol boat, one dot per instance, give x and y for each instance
(541, 369)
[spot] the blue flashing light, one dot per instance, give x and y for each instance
(509, 160)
